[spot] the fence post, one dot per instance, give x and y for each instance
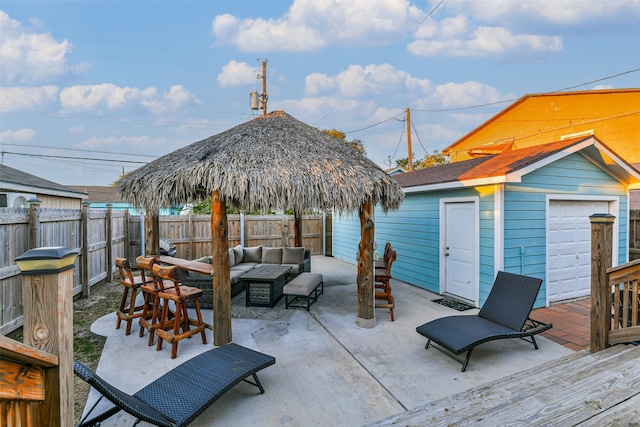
(127, 236)
(109, 237)
(34, 223)
(86, 287)
(601, 252)
(47, 295)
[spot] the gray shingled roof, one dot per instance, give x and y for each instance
(18, 178)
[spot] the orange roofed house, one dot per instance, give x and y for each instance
(516, 197)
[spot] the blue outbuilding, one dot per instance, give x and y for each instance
(523, 211)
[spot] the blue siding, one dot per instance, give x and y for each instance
(346, 236)
(414, 230)
(525, 206)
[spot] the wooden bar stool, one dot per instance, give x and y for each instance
(382, 284)
(149, 321)
(128, 309)
(179, 295)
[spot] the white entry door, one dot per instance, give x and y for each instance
(569, 247)
(460, 250)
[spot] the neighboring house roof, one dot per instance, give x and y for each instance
(510, 166)
(611, 115)
(100, 194)
(396, 170)
(14, 180)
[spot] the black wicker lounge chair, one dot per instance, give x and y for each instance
(180, 395)
(505, 314)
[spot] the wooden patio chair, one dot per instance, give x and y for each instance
(505, 314)
(150, 319)
(179, 295)
(382, 284)
(128, 309)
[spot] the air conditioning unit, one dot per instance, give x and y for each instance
(17, 200)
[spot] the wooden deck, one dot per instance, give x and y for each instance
(599, 389)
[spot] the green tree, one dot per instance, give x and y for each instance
(434, 159)
(356, 144)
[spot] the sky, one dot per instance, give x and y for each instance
(92, 89)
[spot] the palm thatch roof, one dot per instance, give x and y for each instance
(271, 162)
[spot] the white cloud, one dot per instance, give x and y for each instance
(113, 97)
(562, 13)
(32, 58)
(373, 79)
(237, 74)
(311, 25)
(20, 135)
(454, 95)
(22, 98)
(458, 37)
(176, 98)
(76, 130)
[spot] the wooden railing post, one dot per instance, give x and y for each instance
(366, 302)
(47, 296)
(601, 252)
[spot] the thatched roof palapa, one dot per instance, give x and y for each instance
(271, 162)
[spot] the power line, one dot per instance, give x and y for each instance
(50, 156)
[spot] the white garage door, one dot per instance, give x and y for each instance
(569, 247)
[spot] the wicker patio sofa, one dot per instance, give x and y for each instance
(244, 259)
(183, 393)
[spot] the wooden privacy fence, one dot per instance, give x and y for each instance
(99, 236)
(634, 234)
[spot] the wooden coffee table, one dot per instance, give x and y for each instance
(263, 285)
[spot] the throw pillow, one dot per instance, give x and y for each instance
(232, 257)
(239, 254)
(272, 255)
(292, 255)
(252, 254)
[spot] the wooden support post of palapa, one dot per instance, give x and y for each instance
(366, 315)
(47, 296)
(221, 267)
(86, 286)
(151, 233)
(601, 253)
(297, 215)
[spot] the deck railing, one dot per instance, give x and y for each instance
(623, 280)
(614, 290)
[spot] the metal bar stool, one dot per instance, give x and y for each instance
(179, 295)
(128, 309)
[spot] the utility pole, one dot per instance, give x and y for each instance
(264, 97)
(260, 101)
(408, 112)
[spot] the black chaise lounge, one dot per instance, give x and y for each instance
(180, 395)
(505, 314)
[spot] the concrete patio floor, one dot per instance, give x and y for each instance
(328, 371)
